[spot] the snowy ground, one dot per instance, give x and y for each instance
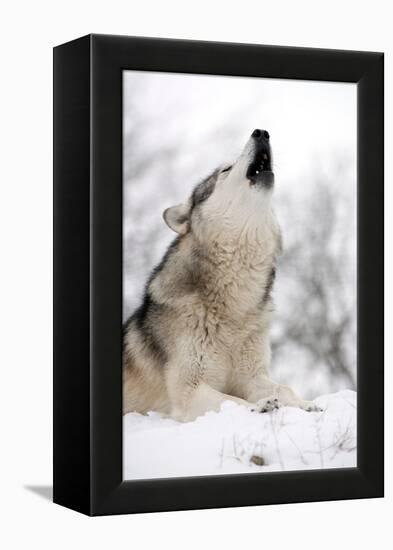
(238, 441)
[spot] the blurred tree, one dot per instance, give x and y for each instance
(316, 312)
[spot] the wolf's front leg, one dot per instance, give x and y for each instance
(190, 380)
(253, 383)
(197, 401)
(269, 395)
(194, 378)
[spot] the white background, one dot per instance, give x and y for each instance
(28, 32)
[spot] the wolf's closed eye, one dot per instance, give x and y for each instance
(226, 169)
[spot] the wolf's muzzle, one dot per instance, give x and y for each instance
(260, 171)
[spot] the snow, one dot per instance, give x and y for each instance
(236, 440)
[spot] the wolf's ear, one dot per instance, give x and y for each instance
(177, 218)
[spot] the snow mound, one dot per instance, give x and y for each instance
(236, 440)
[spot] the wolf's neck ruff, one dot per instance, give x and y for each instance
(231, 273)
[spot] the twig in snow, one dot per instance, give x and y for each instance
(276, 442)
(301, 455)
(221, 454)
(317, 424)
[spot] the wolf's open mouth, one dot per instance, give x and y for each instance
(260, 168)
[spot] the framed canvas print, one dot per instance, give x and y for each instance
(218, 274)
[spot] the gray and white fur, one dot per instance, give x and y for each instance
(201, 335)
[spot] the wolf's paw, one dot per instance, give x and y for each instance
(266, 405)
(309, 406)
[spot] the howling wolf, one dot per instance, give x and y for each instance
(201, 335)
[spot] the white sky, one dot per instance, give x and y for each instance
(308, 121)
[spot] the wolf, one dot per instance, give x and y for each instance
(201, 335)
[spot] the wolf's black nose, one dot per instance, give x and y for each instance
(258, 134)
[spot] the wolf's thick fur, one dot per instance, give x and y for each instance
(201, 335)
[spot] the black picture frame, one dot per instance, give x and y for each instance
(88, 274)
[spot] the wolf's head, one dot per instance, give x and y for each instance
(233, 197)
